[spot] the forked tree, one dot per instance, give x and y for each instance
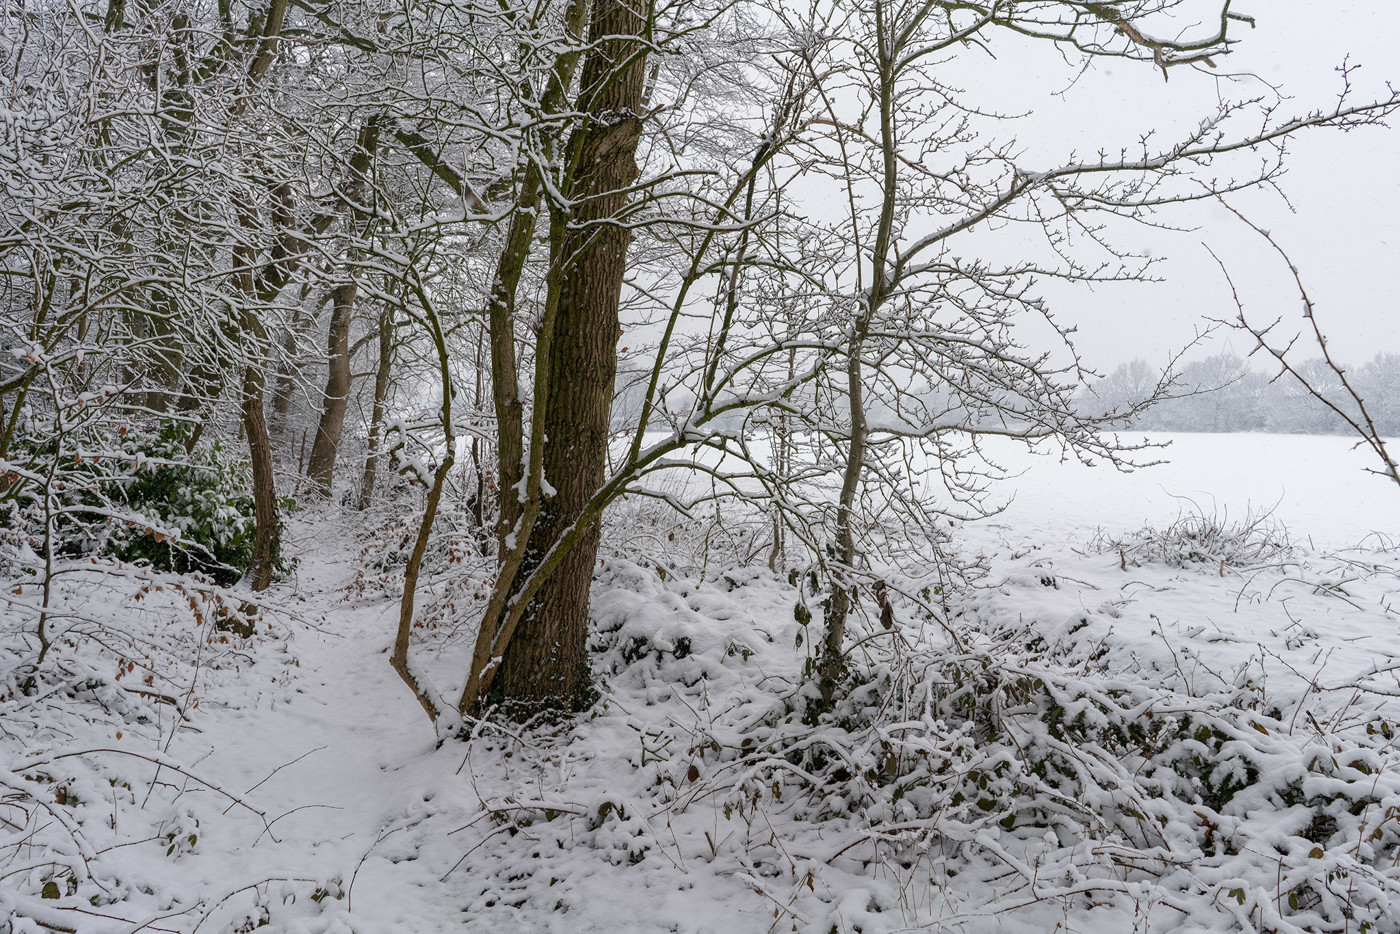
(896, 319)
(544, 658)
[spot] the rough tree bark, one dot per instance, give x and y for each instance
(546, 660)
(500, 307)
(336, 399)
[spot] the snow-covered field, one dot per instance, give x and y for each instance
(1162, 713)
(1317, 486)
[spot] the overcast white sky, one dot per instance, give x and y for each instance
(1343, 231)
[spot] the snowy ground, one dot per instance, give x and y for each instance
(1146, 731)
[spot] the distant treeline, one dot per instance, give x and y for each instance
(1222, 393)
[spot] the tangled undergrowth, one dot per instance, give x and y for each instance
(1104, 747)
(1091, 786)
(458, 564)
(1199, 537)
(1041, 768)
(90, 792)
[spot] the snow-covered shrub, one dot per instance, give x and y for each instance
(1045, 762)
(204, 496)
(1198, 537)
(1043, 768)
(112, 490)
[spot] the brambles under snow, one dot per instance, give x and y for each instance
(1106, 745)
(1200, 537)
(1058, 766)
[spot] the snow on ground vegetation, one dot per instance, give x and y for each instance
(1168, 703)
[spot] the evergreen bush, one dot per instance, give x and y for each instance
(204, 496)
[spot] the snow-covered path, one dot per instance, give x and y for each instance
(325, 750)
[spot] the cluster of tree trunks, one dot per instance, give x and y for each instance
(546, 660)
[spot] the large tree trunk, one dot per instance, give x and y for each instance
(546, 660)
(321, 470)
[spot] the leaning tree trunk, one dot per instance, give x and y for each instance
(258, 290)
(321, 469)
(546, 660)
